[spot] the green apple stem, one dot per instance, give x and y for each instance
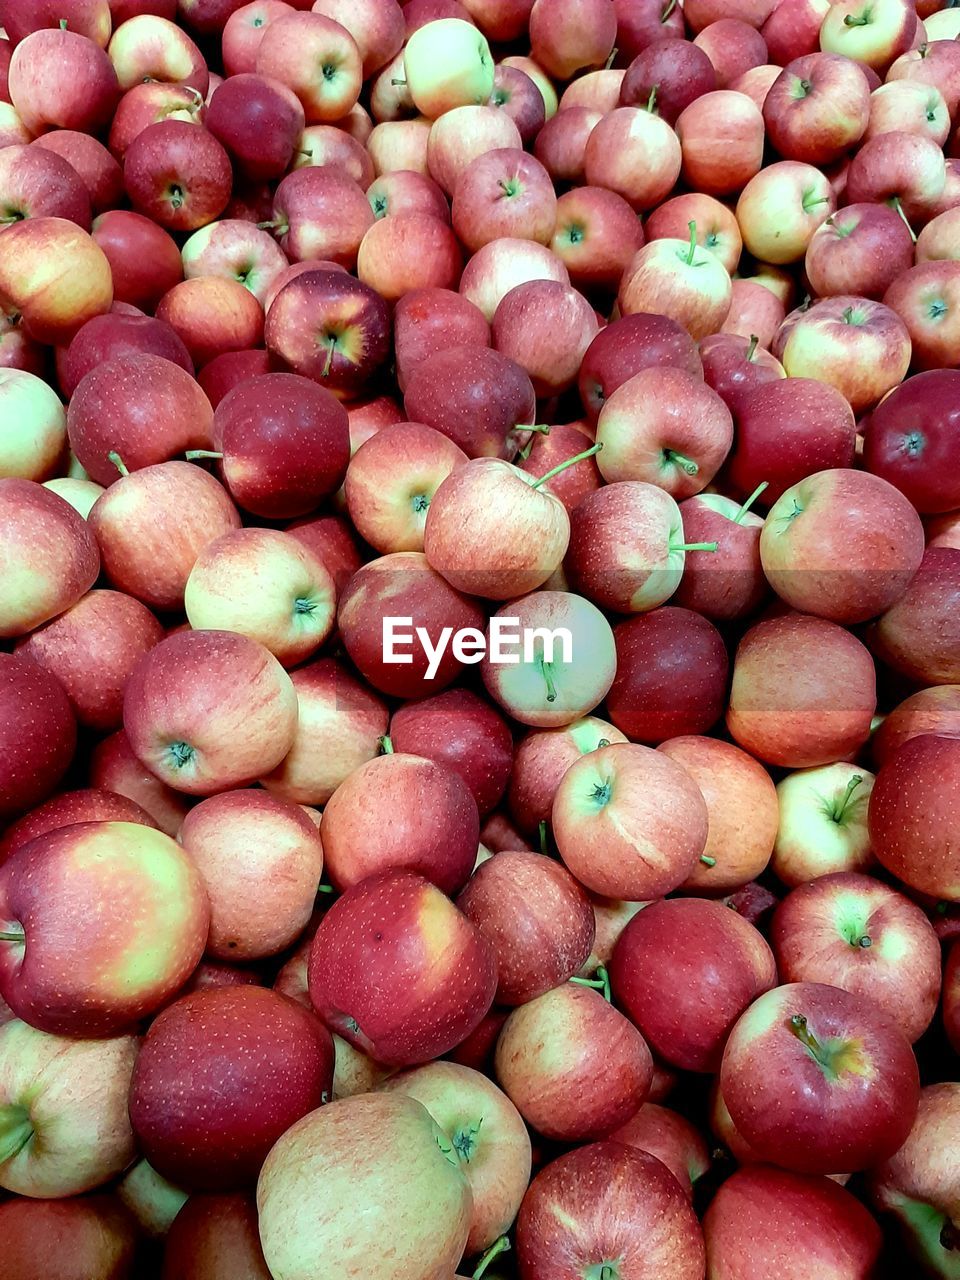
(325, 888)
(542, 829)
(16, 1130)
(692, 546)
(562, 466)
(63, 24)
(652, 100)
(118, 462)
(670, 456)
(707, 860)
(543, 428)
(738, 518)
(16, 934)
(495, 1250)
(600, 982)
(547, 679)
(810, 204)
(752, 349)
(386, 746)
(194, 455)
(692, 227)
(397, 82)
(799, 1028)
(840, 806)
(894, 203)
(852, 20)
(602, 742)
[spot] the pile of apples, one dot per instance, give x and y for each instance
(329, 949)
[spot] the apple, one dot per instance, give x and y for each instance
(567, 36)
(481, 399)
(818, 108)
(717, 227)
(17, 350)
(177, 174)
(817, 1079)
(427, 322)
(728, 582)
(117, 334)
(561, 144)
(516, 95)
(439, 963)
(606, 1205)
(462, 135)
(234, 251)
(675, 71)
(317, 59)
(202, 1132)
(823, 823)
(934, 710)
(503, 264)
(339, 728)
(862, 248)
(151, 1200)
(756, 82)
(793, 29)
(258, 121)
(903, 169)
(545, 327)
(91, 804)
(151, 103)
(377, 26)
(754, 312)
(148, 46)
(678, 279)
(81, 494)
(54, 276)
(447, 63)
(918, 636)
(320, 213)
(736, 368)
(35, 183)
(212, 315)
(115, 768)
(84, 1238)
(406, 252)
(909, 440)
(503, 193)
(416, 1194)
(243, 31)
(596, 234)
(329, 146)
(721, 139)
(874, 34)
(90, 18)
(925, 298)
(406, 192)
(803, 692)
(541, 760)
(61, 79)
(635, 153)
(212, 1232)
(733, 48)
(565, 441)
(626, 347)
(935, 63)
(33, 443)
(105, 983)
(909, 106)
(400, 146)
(672, 1139)
(144, 259)
(780, 209)
(64, 1102)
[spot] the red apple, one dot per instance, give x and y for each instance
(874, 36)
(33, 766)
(571, 35)
(595, 236)
(793, 29)
(721, 137)
(903, 169)
(315, 57)
(35, 183)
(823, 823)
(482, 400)
(926, 299)
(910, 439)
(68, 807)
(427, 322)
(212, 315)
(516, 95)
(212, 1232)
(144, 259)
(178, 174)
(149, 46)
(151, 103)
(464, 134)
(543, 758)
(678, 279)
(635, 153)
(116, 334)
(61, 79)
(671, 1138)
(818, 108)
(675, 71)
(935, 710)
(54, 276)
(545, 327)
(561, 144)
(115, 768)
(625, 348)
(754, 311)
(733, 47)
(503, 193)
(258, 121)
(407, 252)
(861, 249)
(717, 228)
(84, 1238)
(918, 636)
(406, 192)
(503, 264)
(243, 31)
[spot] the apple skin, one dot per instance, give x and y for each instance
(564, 441)
(910, 440)
(573, 1066)
(668, 976)
(54, 276)
(846, 1113)
(717, 227)
(69, 1100)
(236, 251)
(112, 336)
(228, 370)
(567, 36)
(503, 264)
(741, 806)
(536, 917)
(853, 932)
(152, 47)
(919, 636)
(317, 59)
(626, 347)
(462, 135)
(401, 812)
(605, 815)
(878, 42)
(608, 1203)
(596, 233)
(545, 327)
(261, 859)
(486, 1132)
(841, 517)
(728, 583)
(913, 815)
(49, 556)
(215, 1236)
(178, 174)
(435, 960)
(114, 767)
(516, 95)
(635, 153)
(561, 144)
(695, 291)
(243, 31)
(503, 192)
(409, 251)
(212, 315)
(144, 259)
(105, 983)
(463, 732)
(258, 122)
(541, 760)
(789, 1222)
(447, 63)
(721, 138)
(320, 212)
(823, 823)
(754, 309)
(429, 321)
(784, 709)
(341, 722)
(91, 649)
(328, 145)
(671, 675)
(92, 804)
(406, 192)
(84, 1238)
(929, 711)
(39, 184)
(416, 1193)
(900, 165)
(924, 297)
(938, 238)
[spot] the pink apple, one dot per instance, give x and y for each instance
(92, 804)
(717, 227)
(315, 57)
(635, 153)
(721, 138)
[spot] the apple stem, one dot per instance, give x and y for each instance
(707, 860)
(738, 518)
(799, 1028)
(599, 983)
(16, 1130)
(692, 546)
(840, 807)
(13, 935)
(498, 1247)
(895, 204)
(852, 21)
(325, 888)
(542, 428)
(602, 742)
(752, 349)
(692, 226)
(385, 745)
(192, 455)
(331, 348)
(280, 227)
(398, 82)
(652, 100)
(63, 24)
(548, 679)
(542, 829)
(610, 61)
(668, 9)
(680, 460)
(118, 462)
(808, 204)
(562, 466)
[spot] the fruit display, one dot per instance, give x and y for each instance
(479, 639)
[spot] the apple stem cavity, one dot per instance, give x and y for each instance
(562, 466)
(15, 934)
(949, 1237)
(495, 1250)
(857, 20)
(600, 982)
(385, 745)
(118, 462)
(16, 1130)
(738, 518)
(181, 754)
(672, 458)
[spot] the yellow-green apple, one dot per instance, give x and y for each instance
(625, 348)
(629, 822)
(401, 812)
(909, 106)
(81, 494)
(911, 439)
(406, 192)
(49, 556)
(823, 823)
(672, 1139)
(63, 1102)
(258, 121)
(781, 207)
(237, 251)
(392, 618)
(447, 64)
(742, 812)
(793, 29)
(261, 859)
(327, 145)
(556, 678)
(547, 451)
(717, 227)
(678, 279)
(148, 46)
(818, 108)
(874, 34)
(209, 710)
(35, 183)
(409, 251)
(243, 31)
(106, 981)
(862, 248)
(503, 264)
(428, 322)
(151, 1199)
(518, 98)
(315, 57)
(671, 677)
(852, 931)
(567, 36)
(91, 804)
(561, 144)
(54, 276)
(340, 724)
(733, 47)
(728, 582)
(152, 524)
(721, 139)
(83, 1238)
(400, 145)
(926, 298)
(675, 70)
(391, 945)
(791, 1223)
(574, 1067)
(481, 399)
(935, 710)
(61, 79)
(216, 1233)
(536, 917)
(543, 758)
(817, 1079)
(503, 193)
(803, 692)
(13, 132)
(391, 480)
(842, 518)
(121, 332)
(140, 407)
(114, 767)
(458, 729)
(635, 153)
(905, 170)
(666, 427)
(150, 103)
(487, 1135)
(320, 212)
(91, 649)
(684, 1005)
(595, 236)
(608, 1207)
(36, 426)
(935, 63)
(144, 260)
(919, 636)
(201, 1131)
(416, 1194)
(177, 174)
(917, 780)
(754, 311)
(212, 315)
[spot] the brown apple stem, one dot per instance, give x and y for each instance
(668, 8)
(562, 466)
(16, 1130)
(680, 460)
(692, 226)
(738, 518)
(752, 349)
(601, 982)
(118, 462)
(610, 61)
(692, 546)
(331, 349)
(542, 830)
(707, 860)
(652, 100)
(840, 806)
(386, 746)
(495, 1250)
(13, 935)
(280, 227)
(799, 1028)
(895, 204)
(193, 455)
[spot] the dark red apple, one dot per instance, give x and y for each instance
(628, 345)
(920, 635)
(118, 333)
(32, 764)
(144, 259)
(912, 439)
(214, 1237)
